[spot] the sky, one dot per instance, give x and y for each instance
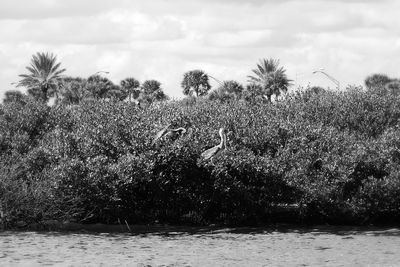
(162, 39)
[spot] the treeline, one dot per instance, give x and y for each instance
(46, 80)
(333, 155)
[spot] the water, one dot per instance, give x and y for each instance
(223, 247)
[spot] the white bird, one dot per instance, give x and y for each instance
(211, 152)
(172, 133)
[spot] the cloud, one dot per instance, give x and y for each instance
(43, 9)
(110, 28)
(162, 39)
(251, 39)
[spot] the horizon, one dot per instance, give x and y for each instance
(163, 39)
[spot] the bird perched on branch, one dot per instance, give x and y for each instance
(211, 152)
(171, 133)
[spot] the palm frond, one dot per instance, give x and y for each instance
(43, 73)
(269, 76)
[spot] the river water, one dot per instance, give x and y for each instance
(323, 246)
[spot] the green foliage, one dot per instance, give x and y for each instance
(150, 86)
(43, 80)
(152, 91)
(14, 96)
(22, 125)
(227, 91)
(254, 93)
(381, 84)
(131, 87)
(100, 87)
(76, 89)
(270, 77)
(335, 155)
(195, 81)
(26, 202)
(73, 90)
(393, 88)
(376, 81)
(354, 110)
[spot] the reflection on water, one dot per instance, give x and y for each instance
(222, 247)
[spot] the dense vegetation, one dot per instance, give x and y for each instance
(325, 156)
(335, 155)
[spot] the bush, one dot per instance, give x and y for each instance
(334, 155)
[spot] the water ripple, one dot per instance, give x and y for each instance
(225, 247)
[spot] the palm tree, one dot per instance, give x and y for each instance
(376, 81)
(131, 85)
(195, 81)
(226, 91)
(99, 87)
(150, 86)
(151, 91)
(44, 77)
(73, 90)
(253, 93)
(270, 77)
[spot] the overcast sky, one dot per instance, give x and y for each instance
(161, 39)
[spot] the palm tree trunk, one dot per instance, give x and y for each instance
(57, 97)
(44, 93)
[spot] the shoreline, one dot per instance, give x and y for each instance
(283, 218)
(136, 229)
